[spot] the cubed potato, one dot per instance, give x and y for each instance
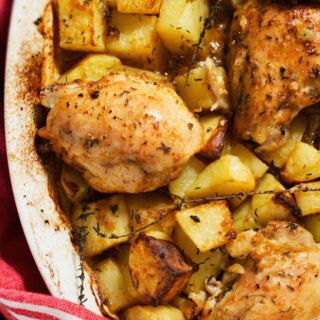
(225, 176)
(312, 223)
(49, 69)
(280, 156)
(74, 186)
(188, 307)
(209, 226)
(159, 270)
(180, 24)
(112, 285)
(303, 164)
(91, 68)
(257, 167)
(308, 202)
(247, 157)
(145, 208)
(195, 90)
(133, 37)
(122, 258)
(268, 207)
(112, 216)
(243, 218)
(215, 127)
(189, 174)
(75, 17)
(152, 313)
(210, 262)
(139, 6)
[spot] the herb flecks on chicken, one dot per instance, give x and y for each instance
(281, 278)
(125, 133)
(274, 68)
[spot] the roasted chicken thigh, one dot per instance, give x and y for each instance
(126, 132)
(274, 68)
(281, 278)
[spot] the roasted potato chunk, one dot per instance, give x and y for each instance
(110, 214)
(113, 286)
(49, 69)
(159, 270)
(146, 208)
(91, 68)
(303, 164)
(280, 156)
(188, 307)
(180, 24)
(226, 175)
(209, 226)
(133, 37)
(312, 223)
(308, 202)
(152, 313)
(139, 6)
(243, 217)
(268, 207)
(215, 127)
(74, 186)
(75, 17)
(194, 89)
(210, 262)
(189, 174)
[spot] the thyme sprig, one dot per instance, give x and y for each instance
(82, 234)
(214, 8)
(163, 214)
(182, 202)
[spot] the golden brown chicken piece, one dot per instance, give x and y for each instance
(281, 279)
(126, 132)
(274, 68)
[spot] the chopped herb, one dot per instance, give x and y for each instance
(114, 208)
(165, 148)
(95, 95)
(195, 218)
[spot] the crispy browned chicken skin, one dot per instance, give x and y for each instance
(274, 68)
(281, 279)
(125, 132)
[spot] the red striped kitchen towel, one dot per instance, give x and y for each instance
(23, 295)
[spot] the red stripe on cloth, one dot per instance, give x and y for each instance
(44, 304)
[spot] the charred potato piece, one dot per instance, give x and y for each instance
(215, 127)
(152, 313)
(209, 226)
(110, 215)
(268, 207)
(159, 270)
